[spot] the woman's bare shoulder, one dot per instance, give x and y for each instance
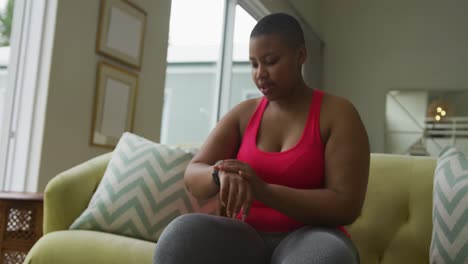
(332, 100)
(244, 111)
(336, 107)
(248, 105)
(338, 113)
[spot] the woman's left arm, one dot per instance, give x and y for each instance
(346, 173)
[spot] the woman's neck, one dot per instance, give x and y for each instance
(300, 94)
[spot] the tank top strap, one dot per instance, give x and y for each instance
(254, 123)
(317, 101)
(313, 122)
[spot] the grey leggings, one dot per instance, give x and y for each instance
(208, 239)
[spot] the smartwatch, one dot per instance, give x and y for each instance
(215, 175)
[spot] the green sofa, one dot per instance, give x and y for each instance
(395, 225)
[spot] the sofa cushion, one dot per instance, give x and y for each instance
(82, 246)
(450, 215)
(395, 223)
(142, 191)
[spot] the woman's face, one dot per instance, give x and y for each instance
(276, 66)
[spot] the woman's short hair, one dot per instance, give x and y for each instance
(283, 25)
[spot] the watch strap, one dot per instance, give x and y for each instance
(215, 175)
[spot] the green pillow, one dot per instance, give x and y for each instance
(142, 191)
(450, 213)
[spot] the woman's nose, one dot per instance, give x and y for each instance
(261, 72)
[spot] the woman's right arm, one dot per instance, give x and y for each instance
(222, 143)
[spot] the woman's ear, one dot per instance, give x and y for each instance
(302, 55)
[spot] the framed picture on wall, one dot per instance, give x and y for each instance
(114, 104)
(121, 32)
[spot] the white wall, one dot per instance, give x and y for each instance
(72, 83)
(376, 46)
(310, 11)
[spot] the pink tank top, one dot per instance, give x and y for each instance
(301, 166)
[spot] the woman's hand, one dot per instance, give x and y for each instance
(245, 171)
(238, 168)
(235, 193)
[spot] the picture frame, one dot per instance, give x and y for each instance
(114, 104)
(121, 32)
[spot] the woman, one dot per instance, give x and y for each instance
(291, 168)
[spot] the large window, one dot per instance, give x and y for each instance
(6, 20)
(208, 67)
(242, 86)
(6, 17)
(24, 72)
(195, 36)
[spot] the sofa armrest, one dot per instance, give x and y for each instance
(68, 194)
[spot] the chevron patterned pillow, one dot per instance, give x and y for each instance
(142, 191)
(450, 214)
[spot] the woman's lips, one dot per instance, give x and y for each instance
(265, 91)
(266, 88)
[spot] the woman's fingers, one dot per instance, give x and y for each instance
(247, 203)
(232, 165)
(232, 198)
(235, 193)
(228, 168)
(241, 196)
(224, 188)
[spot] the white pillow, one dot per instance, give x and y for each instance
(450, 213)
(142, 191)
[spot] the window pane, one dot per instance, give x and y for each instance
(6, 18)
(191, 91)
(242, 86)
(4, 52)
(6, 15)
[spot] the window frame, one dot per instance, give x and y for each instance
(224, 63)
(257, 11)
(223, 90)
(30, 58)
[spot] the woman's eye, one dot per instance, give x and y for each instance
(271, 62)
(254, 66)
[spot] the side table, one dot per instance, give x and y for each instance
(20, 224)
